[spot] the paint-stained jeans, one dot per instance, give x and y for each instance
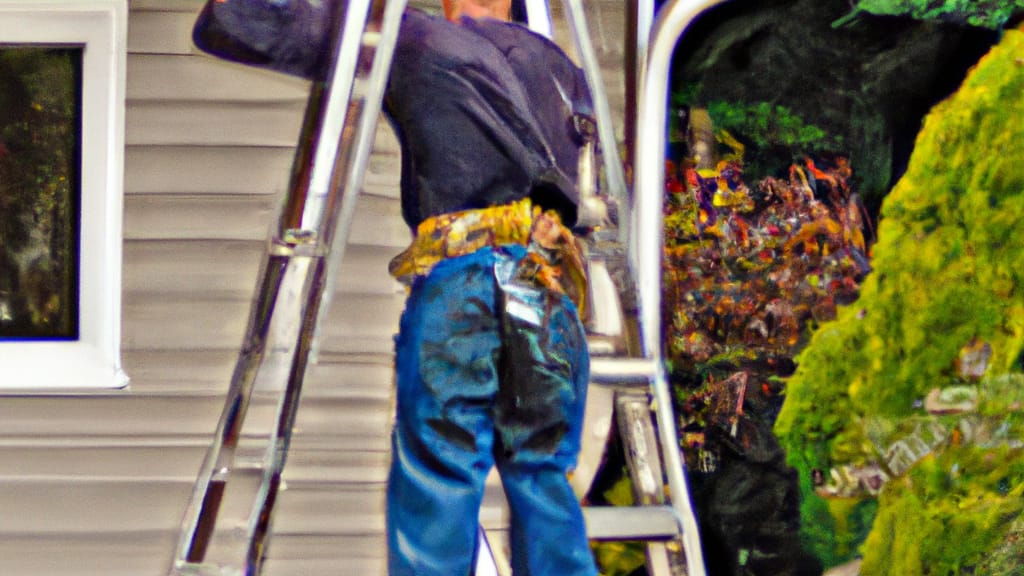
(490, 373)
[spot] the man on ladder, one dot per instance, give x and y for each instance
(491, 357)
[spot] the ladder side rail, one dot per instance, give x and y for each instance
(311, 270)
(361, 149)
(614, 173)
(201, 511)
(346, 182)
(538, 17)
(276, 287)
(639, 20)
(647, 251)
(313, 189)
(645, 13)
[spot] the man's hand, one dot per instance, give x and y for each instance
(548, 231)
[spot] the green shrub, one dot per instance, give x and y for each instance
(948, 274)
(984, 13)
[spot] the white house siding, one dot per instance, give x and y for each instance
(210, 148)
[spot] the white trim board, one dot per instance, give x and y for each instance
(94, 359)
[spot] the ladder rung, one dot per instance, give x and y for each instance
(600, 346)
(371, 38)
(622, 371)
(632, 523)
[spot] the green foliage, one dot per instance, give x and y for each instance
(984, 13)
(948, 270)
(773, 135)
(839, 526)
(620, 558)
(815, 422)
(958, 504)
(769, 126)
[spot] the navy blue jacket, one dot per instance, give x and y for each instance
(484, 113)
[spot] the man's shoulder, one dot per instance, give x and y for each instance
(533, 56)
(430, 36)
(510, 36)
(505, 36)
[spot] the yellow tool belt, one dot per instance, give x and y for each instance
(554, 259)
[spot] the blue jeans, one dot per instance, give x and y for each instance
(490, 372)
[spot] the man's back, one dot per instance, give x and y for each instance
(484, 110)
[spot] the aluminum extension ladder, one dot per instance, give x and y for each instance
(228, 518)
(227, 521)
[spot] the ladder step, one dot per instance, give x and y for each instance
(371, 38)
(622, 371)
(600, 346)
(632, 523)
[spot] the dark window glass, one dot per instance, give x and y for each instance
(40, 191)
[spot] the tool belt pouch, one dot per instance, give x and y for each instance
(554, 259)
(289, 36)
(556, 262)
(459, 233)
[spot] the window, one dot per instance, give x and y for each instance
(62, 69)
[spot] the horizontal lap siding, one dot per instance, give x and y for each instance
(209, 149)
(209, 155)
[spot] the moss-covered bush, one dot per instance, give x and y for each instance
(939, 322)
(983, 13)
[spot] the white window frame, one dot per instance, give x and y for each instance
(94, 359)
